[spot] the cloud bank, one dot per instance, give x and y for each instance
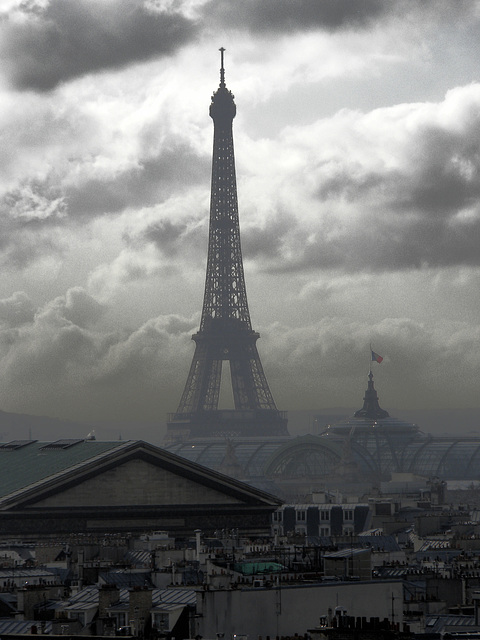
(44, 46)
(357, 143)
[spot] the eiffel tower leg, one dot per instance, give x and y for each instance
(202, 390)
(249, 383)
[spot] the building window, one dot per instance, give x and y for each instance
(324, 515)
(301, 516)
(161, 621)
(348, 514)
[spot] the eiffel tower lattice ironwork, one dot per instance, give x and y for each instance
(225, 332)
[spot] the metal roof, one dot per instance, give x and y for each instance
(18, 572)
(21, 627)
(378, 446)
(9, 599)
(25, 552)
(434, 545)
(86, 595)
(379, 542)
(24, 466)
(139, 558)
(440, 623)
(126, 579)
(251, 453)
(395, 572)
(177, 597)
(345, 553)
(162, 599)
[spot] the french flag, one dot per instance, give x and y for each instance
(376, 357)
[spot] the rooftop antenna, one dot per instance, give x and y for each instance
(222, 70)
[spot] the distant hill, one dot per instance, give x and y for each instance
(438, 422)
(19, 426)
(442, 422)
(22, 426)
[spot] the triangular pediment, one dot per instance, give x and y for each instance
(130, 474)
(133, 483)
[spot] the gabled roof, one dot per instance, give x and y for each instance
(33, 473)
(33, 461)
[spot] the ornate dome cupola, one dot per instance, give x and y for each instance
(371, 409)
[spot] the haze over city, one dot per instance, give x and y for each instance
(357, 143)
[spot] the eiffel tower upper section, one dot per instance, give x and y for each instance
(225, 332)
(225, 307)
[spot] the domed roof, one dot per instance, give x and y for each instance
(371, 409)
(371, 418)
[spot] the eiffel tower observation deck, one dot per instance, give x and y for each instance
(225, 333)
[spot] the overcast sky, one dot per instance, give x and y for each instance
(357, 143)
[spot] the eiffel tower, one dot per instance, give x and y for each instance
(225, 332)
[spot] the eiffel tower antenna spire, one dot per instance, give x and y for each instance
(222, 70)
(225, 332)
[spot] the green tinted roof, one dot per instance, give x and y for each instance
(254, 568)
(25, 462)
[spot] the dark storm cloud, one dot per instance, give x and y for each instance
(279, 16)
(442, 175)
(419, 229)
(416, 221)
(173, 239)
(167, 236)
(70, 38)
(266, 241)
(411, 201)
(448, 170)
(386, 246)
(80, 308)
(150, 182)
(424, 221)
(289, 16)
